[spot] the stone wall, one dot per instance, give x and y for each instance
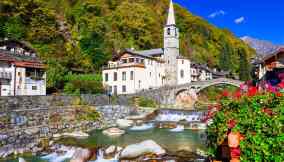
(25, 121)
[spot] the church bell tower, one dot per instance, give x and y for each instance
(171, 47)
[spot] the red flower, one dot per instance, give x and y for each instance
(238, 94)
(252, 91)
(235, 152)
(267, 111)
(281, 85)
(242, 137)
(278, 94)
(225, 93)
(231, 123)
(218, 107)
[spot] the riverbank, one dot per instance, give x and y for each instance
(31, 129)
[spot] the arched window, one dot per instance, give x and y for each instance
(169, 31)
(181, 73)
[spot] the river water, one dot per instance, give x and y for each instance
(186, 140)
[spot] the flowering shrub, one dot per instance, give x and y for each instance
(257, 115)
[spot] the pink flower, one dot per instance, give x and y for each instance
(271, 89)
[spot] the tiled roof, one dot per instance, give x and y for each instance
(280, 50)
(9, 56)
(150, 53)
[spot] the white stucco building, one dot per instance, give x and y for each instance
(21, 72)
(133, 71)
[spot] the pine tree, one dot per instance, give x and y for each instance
(244, 73)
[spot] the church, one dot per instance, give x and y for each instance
(133, 71)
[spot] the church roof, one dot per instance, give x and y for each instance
(171, 15)
(150, 52)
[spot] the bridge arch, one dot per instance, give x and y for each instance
(224, 82)
(187, 95)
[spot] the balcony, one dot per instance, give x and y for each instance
(123, 65)
(5, 75)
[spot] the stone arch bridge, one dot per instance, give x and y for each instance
(168, 94)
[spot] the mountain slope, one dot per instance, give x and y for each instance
(84, 34)
(262, 47)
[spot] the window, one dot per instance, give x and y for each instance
(139, 84)
(115, 76)
(123, 88)
(34, 87)
(182, 74)
(182, 61)
(124, 75)
(106, 77)
(150, 74)
(131, 60)
(169, 31)
(110, 89)
(137, 60)
(124, 61)
(131, 75)
(19, 73)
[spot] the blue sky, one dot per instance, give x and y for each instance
(262, 19)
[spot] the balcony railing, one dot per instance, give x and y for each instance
(5, 75)
(121, 65)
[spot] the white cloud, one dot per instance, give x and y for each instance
(217, 13)
(240, 20)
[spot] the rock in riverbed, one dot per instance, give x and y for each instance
(135, 150)
(22, 159)
(124, 123)
(82, 155)
(113, 132)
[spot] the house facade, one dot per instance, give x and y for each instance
(21, 72)
(133, 71)
(271, 64)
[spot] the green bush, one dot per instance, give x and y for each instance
(146, 102)
(83, 84)
(87, 113)
(259, 118)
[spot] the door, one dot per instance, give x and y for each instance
(115, 90)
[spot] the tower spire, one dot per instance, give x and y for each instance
(171, 15)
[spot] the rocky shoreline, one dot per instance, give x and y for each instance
(147, 151)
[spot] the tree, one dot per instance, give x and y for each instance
(225, 61)
(244, 72)
(14, 28)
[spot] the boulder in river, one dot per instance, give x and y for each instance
(113, 132)
(81, 155)
(110, 150)
(22, 159)
(135, 150)
(124, 123)
(78, 134)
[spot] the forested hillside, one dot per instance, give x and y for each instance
(81, 35)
